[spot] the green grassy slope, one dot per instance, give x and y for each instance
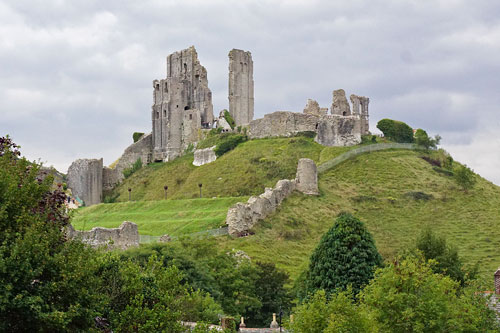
(373, 186)
(247, 170)
(156, 218)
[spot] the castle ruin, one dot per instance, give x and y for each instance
(182, 114)
(241, 98)
(182, 104)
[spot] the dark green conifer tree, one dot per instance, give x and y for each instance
(346, 255)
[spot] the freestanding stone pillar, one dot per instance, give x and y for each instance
(85, 180)
(307, 177)
(241, 98)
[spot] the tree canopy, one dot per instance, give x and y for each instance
(345, 256)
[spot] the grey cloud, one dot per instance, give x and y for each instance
(81, 71)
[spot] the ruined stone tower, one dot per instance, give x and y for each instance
(241, 98)
(182, 105)
(357, 103)
(85, 180)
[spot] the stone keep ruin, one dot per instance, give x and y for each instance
(182, 114)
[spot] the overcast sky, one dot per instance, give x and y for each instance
(76, 76)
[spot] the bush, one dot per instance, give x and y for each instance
(465, 177)
(229, 143)
(443, 171)
(130, 171)
(396, 130)
(423, 140)
(416, 195)
(306, 134)
(137, 135)
(365, 139)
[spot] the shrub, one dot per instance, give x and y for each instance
(443, 171)
(229, 143)
(465, 177)
(417, 195)
(137, 135)
(423, 140)
(306, 134)
(368, 139)
(395, 130)
(130, 171)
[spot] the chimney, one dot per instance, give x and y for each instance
(274, 323)
(497, 282)
(242, 324)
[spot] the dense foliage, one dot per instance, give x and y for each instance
(445, 257)
(404, 296)
(339, 313)
(396, 130)
(407, 296)
(51, 284)
(345, 256)
(243, 288)
(229, 143)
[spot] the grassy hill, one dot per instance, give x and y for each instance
(380, 188)
(156, 218)
(245, 171)
(377, 188)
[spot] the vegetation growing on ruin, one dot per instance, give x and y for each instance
(130, 171)
(137, 135)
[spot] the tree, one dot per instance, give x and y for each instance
(345, 256)
(464, 177)
(446, 259)
(271, 291)
(406, 296)
(423, 140)
(337, 314)
(396, 130)
(46, 283)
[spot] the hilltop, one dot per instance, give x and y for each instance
(395, 192)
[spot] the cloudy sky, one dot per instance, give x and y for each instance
(76, 76)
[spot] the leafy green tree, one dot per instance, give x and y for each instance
(345, 256)
(423, 140)
(446, 258)
(337, 314)
(464, 177)
(271, 292)
(395, 130)
(46, 283)
(407, 296)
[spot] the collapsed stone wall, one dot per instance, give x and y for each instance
(342, 128)
(123, 237)
(334, 130)
(85, 180)
(243, 216)
(241, 98)
(282, 123)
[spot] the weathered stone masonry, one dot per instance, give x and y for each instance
(85, 180)
(123, 237)
(182, 105)
(243, 216)
(241, 100)
(341, 128)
